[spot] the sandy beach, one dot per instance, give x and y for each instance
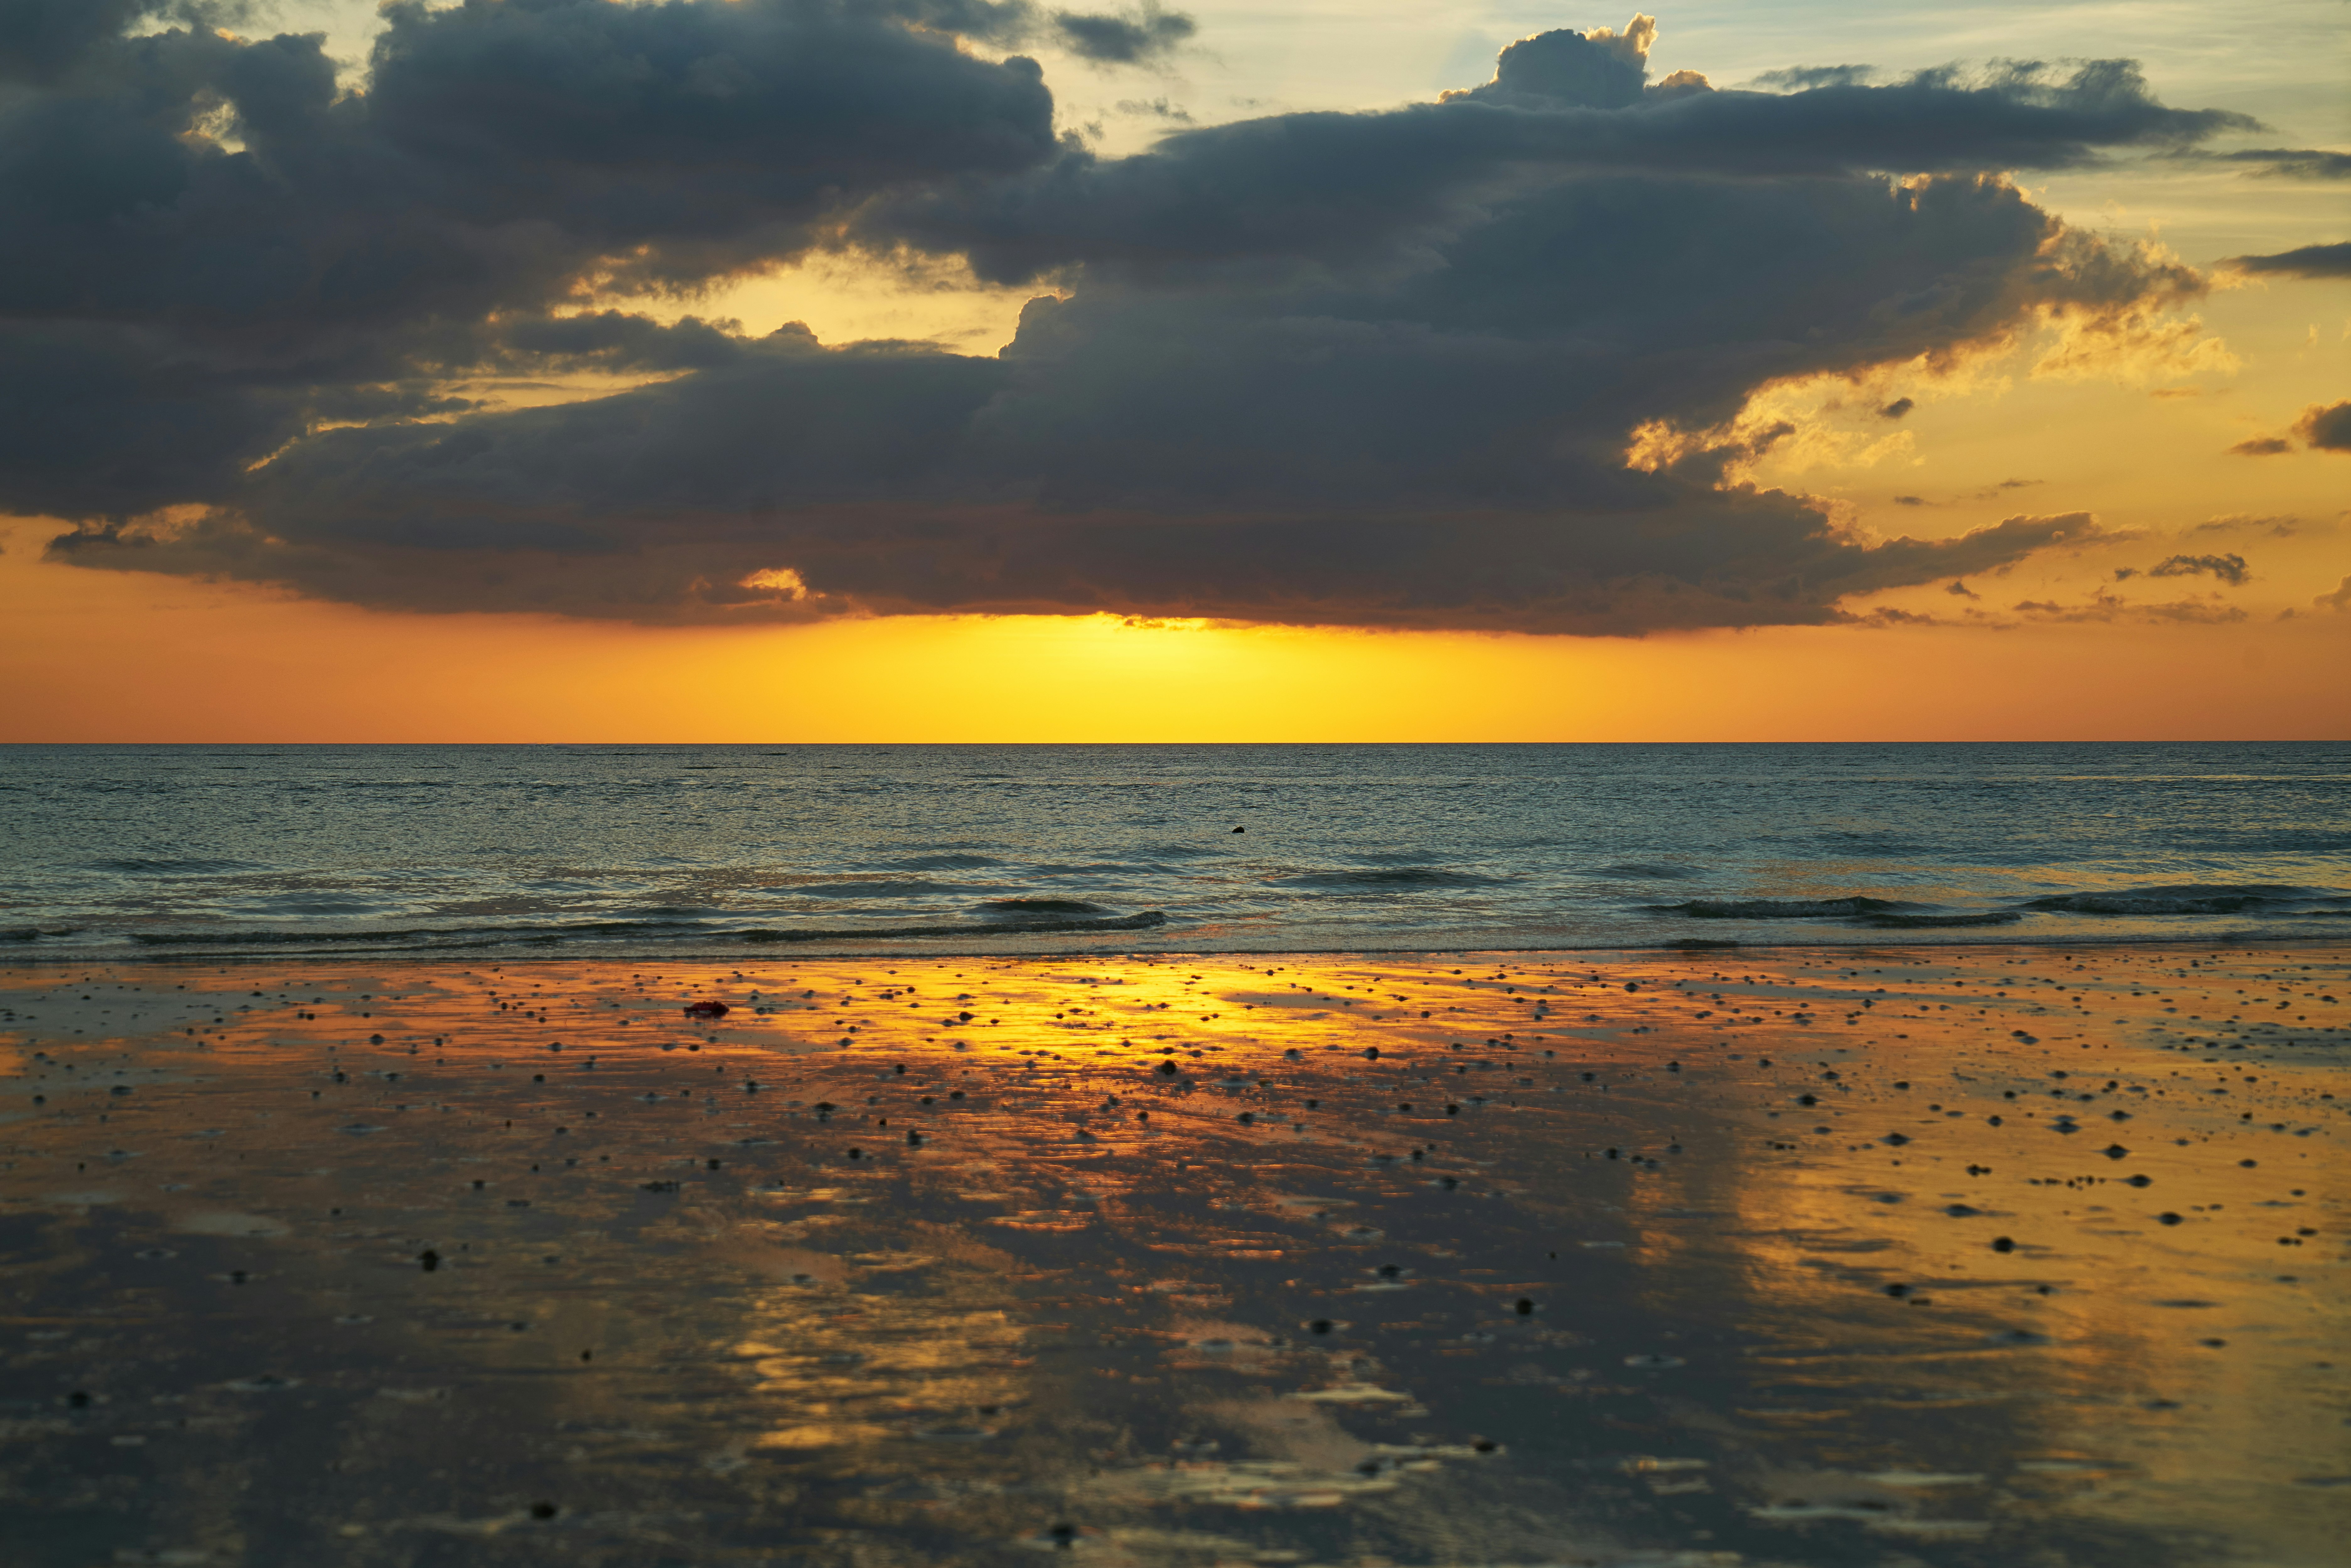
(1949, 1256)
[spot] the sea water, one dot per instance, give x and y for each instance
(711, 849)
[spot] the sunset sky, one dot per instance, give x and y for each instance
(941, 369)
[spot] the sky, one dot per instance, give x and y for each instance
(984, 371)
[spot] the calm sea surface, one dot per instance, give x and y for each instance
(666, 849)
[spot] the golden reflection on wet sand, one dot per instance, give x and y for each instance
(1940, 1256)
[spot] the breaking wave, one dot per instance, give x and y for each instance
(1017, 907)
(421, 935)
(1784, 908)
(2192, 899)
(1387, 879)
(143, 865)
(1143, 922)
(1942, 922)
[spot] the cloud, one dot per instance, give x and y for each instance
(1801, 79)
(2107, 609)
(173, 307)
(1154, 108)
(2327, 428)
(2290, 162)
(1323, 189)
(1379, 369)
(1145, 35)
(2338, 599)
(2278, 525)
(1599, 70)
(1896, 408)
(2309, 261)
(2322, 427)
(2229, 569)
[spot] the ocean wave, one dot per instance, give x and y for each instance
(939, 862)
(1403, 878)
(1940, 922)
(34, 933)
(2187, 899)
(1783, 908)
(1143, 922)
(1647, 871)
(474, 933)
(144, 865)
(1015, 907)
(872, 889)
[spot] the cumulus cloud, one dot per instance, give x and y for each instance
(1600, 69)
(1376, 369)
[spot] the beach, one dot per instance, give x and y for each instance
(1947, 1255)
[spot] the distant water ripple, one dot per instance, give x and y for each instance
(196, 850)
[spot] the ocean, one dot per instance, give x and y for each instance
(711, 851)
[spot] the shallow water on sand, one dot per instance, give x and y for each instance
(1884, 1258)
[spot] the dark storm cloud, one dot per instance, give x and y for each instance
(1344, 189)
(498, 149)
(2308, 261)
(173, 308)
(1379, 369)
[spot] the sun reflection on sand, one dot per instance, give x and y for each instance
(1720, 1255)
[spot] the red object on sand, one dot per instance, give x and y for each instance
(706, 1010)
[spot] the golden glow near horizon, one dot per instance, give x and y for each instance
(109, 657)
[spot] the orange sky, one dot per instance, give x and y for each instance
(97, 656)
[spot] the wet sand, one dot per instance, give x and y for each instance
(1897, 1256)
